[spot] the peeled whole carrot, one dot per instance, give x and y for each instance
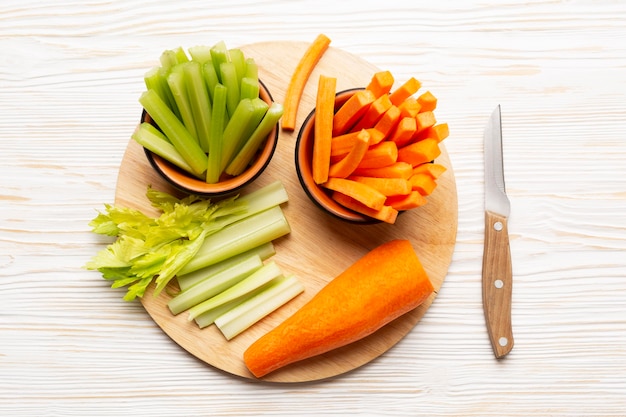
(323, 129)
(299, 78)
(348, 164)
(384, 284)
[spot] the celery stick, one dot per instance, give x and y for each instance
(219, 54)
(239, 237)
(264, 251)
(216, 135)
(255, 280)
(208, 288)
(247, 152)
(249, 88)
(260, 108)
(244, 315)
(175, 131)
(234, 130)
(180, 54)
(239, 60)
(207, 319)
(200, 53)
(168, 59)
(199, 100)
(152, 139)
(178, 87)
(156, 79)
(228, 77)
(252, 69)
(210, 77)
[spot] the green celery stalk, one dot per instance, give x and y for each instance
(260, 108)
(239, 237)
(211, 78)
(252, 69)
(235, 129)
(200, 53)
(244, 315)
(152, 139)
(228, 77)
(216, 135)
(178, 87)
(199, 100)
(207, 319)
(249, 88)
(156, 79)
(239, 60)
(255, 280)
(205, 290)
(168, 59)
(175, 131)
(219, 54)
(264, 251)
(247, 152)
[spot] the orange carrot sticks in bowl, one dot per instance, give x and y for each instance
(347, 309)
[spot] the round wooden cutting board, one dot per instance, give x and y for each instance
(319, 247)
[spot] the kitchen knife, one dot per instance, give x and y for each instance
(497, 278)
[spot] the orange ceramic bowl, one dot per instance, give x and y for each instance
(303, 157)
(227, 184)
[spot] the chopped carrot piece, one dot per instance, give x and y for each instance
(405, 91)
(383, 154)
(388, 122)
(351, 111)
(386, 214)
(381, 83)
(406, 202)
(387, 186)
(299, 78)
(362, 193)
(341, 145)
(323, 129)
(439, 132)
(432, 169)
(417, 153)
(348, 164)
(423, 183)
(396, 170)
(404, 132)
(425, 120)
(428, 101)
(384, 284)
(373, 113)
(410, 107)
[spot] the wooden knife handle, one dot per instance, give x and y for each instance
(497, 284)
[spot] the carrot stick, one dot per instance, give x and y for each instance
(348, 164)
(428, 101)
(383, 154)
(381, 83)
(405, 91)
(323, 129)
(423, 183)
(404, 132)
(406, 202)
(363, 193)
(351, 111)
(420, 152)
(425, 120)
(439, 132)
(432, 169)
(386, 214)
(396, 170)
(388, 122)
(387, 186)
(373, 113)
(299, 78)
(384, 284)
(410, 107)
(341, 145)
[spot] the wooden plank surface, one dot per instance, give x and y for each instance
(70, 77)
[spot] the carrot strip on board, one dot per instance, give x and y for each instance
(383, 154)
(380, 83)
(420, 152)
(406, 202)
(405, 91)
(423, 183)
(373, 113)
(389, 121)
(404, 132)
(396, 170)
(347, 309)
(387, 186)
(323, 129)
(341, 145)
(439, 132)
(386, 214)
(425, 120)
(348, 164)
(362, 193)
(351, 111)
(432, 169)
(299, 78)
(410, 107)
(428, 101)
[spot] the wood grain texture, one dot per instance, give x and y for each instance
(70, 77)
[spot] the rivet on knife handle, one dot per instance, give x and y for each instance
(497, 284)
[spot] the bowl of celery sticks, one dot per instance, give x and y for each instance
(209, 125)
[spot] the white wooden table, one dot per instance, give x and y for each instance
(70, 76)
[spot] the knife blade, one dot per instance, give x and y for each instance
(497, 275)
